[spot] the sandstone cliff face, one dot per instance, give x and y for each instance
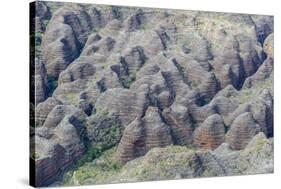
(40, 78)
(136, 79)
(242, 130)
(57, 149)
(210, 134)
(143, 135)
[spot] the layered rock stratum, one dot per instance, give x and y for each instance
(135, 94)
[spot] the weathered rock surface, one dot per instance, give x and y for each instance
(257, 157)
(210, 134)
(171, 163)
(261, 108)
(265, 71)
(142, 135)
(181, 126)
(44, 108)
(268, 45)
(157, 132)
(64, 37)
(127, 104)
(137, 79)
(132, 144)
(200, 113)
(177, 162)
(58, 113)
(242, 130)
(40, 79)
(264, 26)
(223, 105)
(57, 149)
(227, 92)
(43, 14)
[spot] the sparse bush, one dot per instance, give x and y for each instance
(94, 151)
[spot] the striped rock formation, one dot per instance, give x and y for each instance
(264, 72)
(268, 45)
(142, 135)
(139, 78)
(132, 144)
(65, 149)
(40, 82)
(181, 127)
(210, 134)
(125, 103)
(44, 108)
(242, 130)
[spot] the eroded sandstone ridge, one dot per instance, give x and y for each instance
(136, 80)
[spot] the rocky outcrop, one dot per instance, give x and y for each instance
(268, 46)
(210, 134)
(231, 66)
(228, 91)
(242, 130)
(40, 78)
(134, 21)
(126, 104)
(171, 163)
(58, 113)
(261, 109)
(200, 113)
(142, 135)
(257, 157)
(181, 126)
(265, 71)
(44, 108)
(76, 71)
(156, 131)
(59, 142)
(136, 79)
(56, 150)
(177, 162)
(223, 105)
(263, 26)
(132, 144)
(43, 14)
(64, 37)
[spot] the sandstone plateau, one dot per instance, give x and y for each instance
(136, 94)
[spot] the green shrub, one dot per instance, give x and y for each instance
(98, 171)
(94, 151)
(127, 80)
(35, 155)
(45, 23)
